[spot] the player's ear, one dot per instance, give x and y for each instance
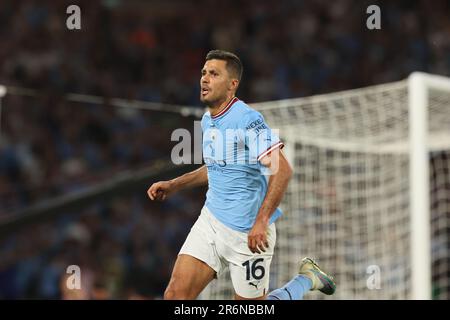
(234, 84)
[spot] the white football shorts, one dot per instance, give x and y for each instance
(220, 246)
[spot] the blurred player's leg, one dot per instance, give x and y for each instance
(293, 290)
(189, 277)
(310, 277)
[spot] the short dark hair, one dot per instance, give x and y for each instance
(234, 64)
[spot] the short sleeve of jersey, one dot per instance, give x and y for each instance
(259, 138)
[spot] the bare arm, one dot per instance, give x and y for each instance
(196, 178)
(162, 189)
(278, 182)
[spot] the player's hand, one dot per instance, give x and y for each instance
(257, 237)
(160, 190)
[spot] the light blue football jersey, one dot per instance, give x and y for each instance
(233, 143)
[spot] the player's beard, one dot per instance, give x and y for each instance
(212, 101)
(207, 99)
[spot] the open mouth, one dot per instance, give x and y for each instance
(204, 91)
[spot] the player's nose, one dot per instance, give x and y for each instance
(204, 79)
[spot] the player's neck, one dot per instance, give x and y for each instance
(213, 110)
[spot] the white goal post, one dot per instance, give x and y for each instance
(419, 85)
(370, 194)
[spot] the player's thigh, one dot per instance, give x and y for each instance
(189, 277)
(197, 262)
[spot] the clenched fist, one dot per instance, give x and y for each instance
(160, 190)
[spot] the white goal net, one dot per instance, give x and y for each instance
(370, 198)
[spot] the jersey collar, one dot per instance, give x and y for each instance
(226, 109)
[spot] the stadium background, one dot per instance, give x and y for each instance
(153, 51)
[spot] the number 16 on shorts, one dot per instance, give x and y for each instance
(254, 277)
(251, 276)
(253, 270)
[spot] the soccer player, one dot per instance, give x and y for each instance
(247, 175)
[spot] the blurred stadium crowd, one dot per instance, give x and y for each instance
(153, 51)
